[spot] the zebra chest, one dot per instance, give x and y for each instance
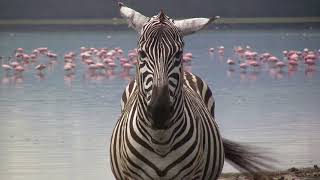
(150, 157)
(150, 164)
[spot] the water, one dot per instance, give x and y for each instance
(59, 127)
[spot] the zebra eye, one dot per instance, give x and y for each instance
(142, 54)
(178, 54)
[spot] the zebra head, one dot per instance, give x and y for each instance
(159, 70)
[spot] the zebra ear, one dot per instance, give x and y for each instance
(189, 26)
(135, 19)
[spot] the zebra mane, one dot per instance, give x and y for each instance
(162, 16)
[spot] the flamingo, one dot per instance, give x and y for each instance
(100, 65)
(43, 50)
(6, 67)
(230, 62)
(112, 65)
(88, 61)
(14, 64)
(292, 62)
(40, 67)
(68, 66)
(188, 54)
(186, 58)
(221, 50)
(127, 66)
(294, 57)
(93, 66)
(19, 50)
(273, 59)
(254, 64)
(310, 62)
(52, 55)
(19, 69)
(280, 64)
(243, 66)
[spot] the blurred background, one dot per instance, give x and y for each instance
(70, 9)
(65, 63)
(102, 12)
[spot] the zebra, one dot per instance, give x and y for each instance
(167, 128)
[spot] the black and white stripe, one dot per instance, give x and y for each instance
(191, 80)
(191, 146)
(167, 127)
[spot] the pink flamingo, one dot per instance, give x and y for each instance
(100, 65)
(254, 64)
(292, 62)
(19, 55)
(85, 55)
(310, 56)
(93, 66)
(221, 50)
(35, 52)
(239, 50)
(43, 50)
(33, 57)
(69, 66)
(112, 65)
(188, 54)
(123, 60)
(132, 55)
(230, 62)
(186, 58)
(52, 55)
(107, 60)
(127, 66)
(88, 61)
(6, 67)
(285, 53)
(26, 58)
(14, 64)
(243, 66)
(280, 64)
(310, 62)
(40, 67)
(266, 55)
(19, 69)
(294, 57)
(273, 59)
(19, 50)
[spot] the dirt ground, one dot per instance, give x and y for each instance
(309, 173)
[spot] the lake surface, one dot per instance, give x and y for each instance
(55, 126)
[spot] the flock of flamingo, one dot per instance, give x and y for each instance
(245, 58)
(103, 61)
(99, 62)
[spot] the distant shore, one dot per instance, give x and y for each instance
(120, 24)
(310, 173)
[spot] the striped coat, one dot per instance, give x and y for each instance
(193, 150)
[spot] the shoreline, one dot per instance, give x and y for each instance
(120, 24)
(216, 27)
(306, 173)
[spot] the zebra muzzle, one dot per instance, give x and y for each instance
(159, 108)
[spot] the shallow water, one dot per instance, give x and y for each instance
(56, 126)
